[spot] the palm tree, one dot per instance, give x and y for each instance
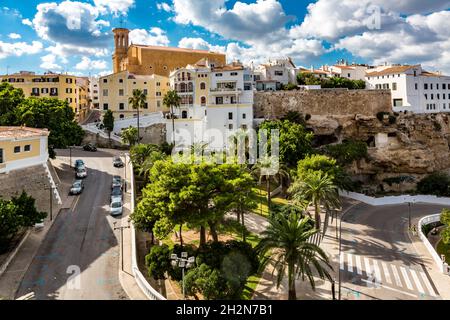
(265, 167)
(287, 237)
(137, 101)
(172, 100)
(316, 188)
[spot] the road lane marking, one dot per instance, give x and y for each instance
(405, 276)
(368, 267)
(341, 258)
(427, 284)
(349, 262)
(387, 275)
(358, 265)
(398, 281)
(379, 285)
(416, 281)
(76, 202)
(377, 271)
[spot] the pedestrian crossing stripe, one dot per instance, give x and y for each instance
(382, 272)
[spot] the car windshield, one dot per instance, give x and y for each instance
(79, 162)
(117, 178)
(116, 191)
(76, 185)
(117, 159)
(82, 170)
(116, 205)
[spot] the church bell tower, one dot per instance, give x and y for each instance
(121, 42)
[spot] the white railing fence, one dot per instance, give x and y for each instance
(148, 290)
(395, 199)
(422, 222)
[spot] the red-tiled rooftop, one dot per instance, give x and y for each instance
(173, 49)
(22, 132)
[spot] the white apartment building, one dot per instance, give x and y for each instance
(94, 92)
(216, 101)
(274, 74)
(413, 89)
(352, 72)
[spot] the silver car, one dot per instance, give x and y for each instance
(117, 182)
(116, 207)
(77, 187)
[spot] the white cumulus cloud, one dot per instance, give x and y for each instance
(155, 37)
(164, 6)
(19, 48)
(114, 6)
(87, 64)
(14, 36)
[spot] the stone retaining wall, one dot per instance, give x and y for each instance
(270, 105)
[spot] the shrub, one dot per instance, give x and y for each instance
(435, 184)
(158, 262)
(289, 86)
(398, 180)
(347, 152)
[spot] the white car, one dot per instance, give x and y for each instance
(81, 173)
(116, 207)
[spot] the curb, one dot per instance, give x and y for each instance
(14, 253)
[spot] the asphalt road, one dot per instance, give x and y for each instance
(79, 258)
(378, 260)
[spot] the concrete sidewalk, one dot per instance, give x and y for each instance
(126, 276)
(12, 277)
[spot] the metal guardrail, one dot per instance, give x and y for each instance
(146, 288)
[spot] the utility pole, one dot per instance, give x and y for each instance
(121, 238)
(51, 203)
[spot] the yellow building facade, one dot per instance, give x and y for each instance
(60, 86)
(22, 147)
(116, 89)
(149, 60)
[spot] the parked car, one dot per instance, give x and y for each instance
(89, 147)
(117, 162)
(116, 207)
(117, 182)
(77, 187)
(81, 173)
(116, 192)
(78, 164)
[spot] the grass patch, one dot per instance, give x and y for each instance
(250, 287)
(444, 249)
(261, 199)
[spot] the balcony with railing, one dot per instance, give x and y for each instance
(225, 90)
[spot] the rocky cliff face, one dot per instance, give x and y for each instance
(407, 150)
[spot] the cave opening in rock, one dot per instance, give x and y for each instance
(322, 140)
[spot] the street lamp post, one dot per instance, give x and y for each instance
(182, 262)
(51, 188)
(70, 156)
(121, 238)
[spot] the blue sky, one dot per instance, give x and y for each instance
(75, 36)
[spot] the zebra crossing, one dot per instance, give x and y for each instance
(387, 275)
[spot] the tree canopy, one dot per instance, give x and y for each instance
(295, 140)
(55, 115)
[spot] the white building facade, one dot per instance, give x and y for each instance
(216, 101)
(413, 89)
(94, 92)
(275, 74)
